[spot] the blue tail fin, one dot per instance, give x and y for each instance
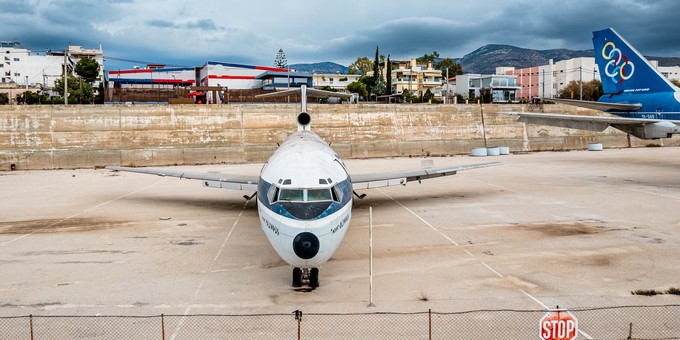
(623, 69)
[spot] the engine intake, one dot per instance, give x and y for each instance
(304, 119)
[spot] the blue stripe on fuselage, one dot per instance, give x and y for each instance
(263, 189)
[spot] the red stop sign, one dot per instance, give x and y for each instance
(559, 324)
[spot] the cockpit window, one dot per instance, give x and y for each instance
(316, 195)
(291, 195)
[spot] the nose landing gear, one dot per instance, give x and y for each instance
(305, 275)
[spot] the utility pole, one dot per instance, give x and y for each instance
(446, 101)
(531, 93)
(66, 76)
(543, 88)
(580, 80)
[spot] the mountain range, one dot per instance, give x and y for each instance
(485, 59)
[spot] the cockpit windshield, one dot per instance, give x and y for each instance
(316, 195)
(292, 195)
(305, 203)
(306, 195)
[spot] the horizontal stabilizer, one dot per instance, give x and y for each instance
(312, 93)
(595, 105)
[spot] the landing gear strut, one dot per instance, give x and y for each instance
(306, 275)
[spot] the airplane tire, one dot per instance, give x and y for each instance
(314, 277)
(297, 277)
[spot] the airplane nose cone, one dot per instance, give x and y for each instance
(306, 245)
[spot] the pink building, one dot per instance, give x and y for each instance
(527, 79)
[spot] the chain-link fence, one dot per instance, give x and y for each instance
(625, 322)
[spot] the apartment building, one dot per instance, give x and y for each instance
(499, 88)
(23, 67)
(416, 77)
(336, 81)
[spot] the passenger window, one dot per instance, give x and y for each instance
(291, 195)
(316, 195)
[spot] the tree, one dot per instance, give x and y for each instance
(388, 85)
(369, 82)
(361, 66)
(429, 58)
(31, 98)
(79, 90)
(88, 69)
(280, 60)
(428, 96)
(592, 90)
(453, 67)
(376, 70)
(358, 87)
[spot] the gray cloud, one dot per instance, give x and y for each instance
(175, 32)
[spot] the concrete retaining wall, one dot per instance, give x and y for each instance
(77, 136)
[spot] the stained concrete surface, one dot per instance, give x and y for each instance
(574, 229)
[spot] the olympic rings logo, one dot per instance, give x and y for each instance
(619, 68)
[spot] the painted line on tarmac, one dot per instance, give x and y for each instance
(491, 269)
(423, 220)
(210, 268)
(80, 213)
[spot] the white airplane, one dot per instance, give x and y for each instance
(305, 193)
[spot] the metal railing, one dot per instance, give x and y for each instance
(623, 322)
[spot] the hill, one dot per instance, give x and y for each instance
(324, 67)
(486, 58)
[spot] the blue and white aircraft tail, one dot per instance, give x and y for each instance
(644, 103)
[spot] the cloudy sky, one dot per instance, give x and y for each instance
(188, 33)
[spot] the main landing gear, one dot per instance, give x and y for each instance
(306, 275)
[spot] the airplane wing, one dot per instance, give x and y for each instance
(210, 179)
(379, 180)
(591, 123)
(602, 106)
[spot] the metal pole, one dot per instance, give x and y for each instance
(298, 317)
(370, 257)
(30, 320)
(429, 322)
(580, 80)
(543, 89)
(66, 76)
(481, 108)
(446, 99)
(162, 327)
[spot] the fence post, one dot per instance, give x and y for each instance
(298, 317)
(162, 327)
(370, 257)
(30, 322)
(429, 322)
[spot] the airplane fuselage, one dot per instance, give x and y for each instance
(657, 105)
(304, 200)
